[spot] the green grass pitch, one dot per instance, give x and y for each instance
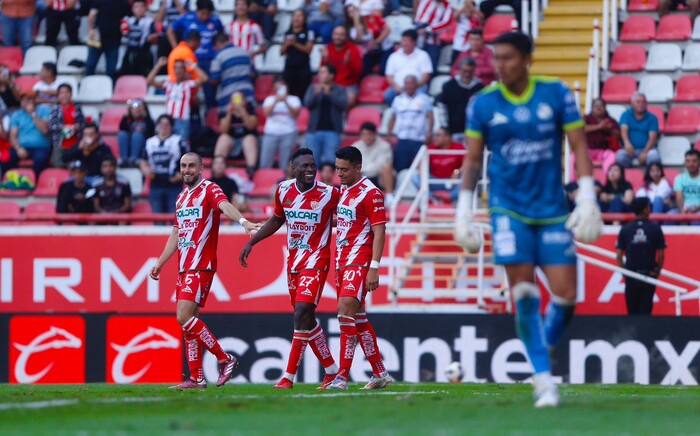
(402, 409)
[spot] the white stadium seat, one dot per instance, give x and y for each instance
(289, 5)
(95, 89)
(69, 80)
(91, 112)
(445, 60)
(154, 95)
(398, 23)
(436, 84)
(657, 87)
(691, 58)
(68, 54)
(284, 20)
(101, 67)
(615, 111)
(696, 30)
(384, 127)
(316, 57)
(672, 149)
(36, 56)
(223, 6)
(664, 57)
(273, 61)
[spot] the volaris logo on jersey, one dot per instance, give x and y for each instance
(302, 215)
(47, 349)
(190, 212)
(143, 350)
(346, 212)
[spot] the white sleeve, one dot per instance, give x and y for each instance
(426, 65)
(293, 101)
(664, 189)
(390, 69)
(269, 101)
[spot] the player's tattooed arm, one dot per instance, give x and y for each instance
(268, 229)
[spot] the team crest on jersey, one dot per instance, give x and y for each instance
(288, 202)
(544, 112)
(521, 114)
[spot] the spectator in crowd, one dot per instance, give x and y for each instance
(327, 174)
(246, 33)
(179, 94)
(365, 7)
(184, 51)
(571, 191)
(297, 46)
(62, 12)
(617, 193)
(46, 89)
(264, 12)
(455, 95)
(104, 23)
(408, 60)
(239, 132)
(372, 33)
(468, 18)
(411, 122)
(90, 151)
(280, 132)
(140, 32)
(672, 5)
(9, 91)
(432, 18)
(687, 184)
(483, 56)
(327, 103)
(643, 243)
(160, 162)
(66, 123)
(444, 166)
(135, 127)
(75, 195)
(208, 25)
(377, 159)
(29, 127)
(347, 60)
(112, 194)
(17, 23)
(656, 188)
(232, 71)
(324, 15)
(639, 130)
(602, 133)
(8, 155)
(168, 13)
(226, 183)
(488, 7)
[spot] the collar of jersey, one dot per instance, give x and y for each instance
(192, 190)
(357, 183)
(304, 192)
(518, 99)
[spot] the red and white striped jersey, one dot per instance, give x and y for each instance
(178, 98)
(197, 221)
(308, 215)
(247, 35)
(62, 5)
(435, 16)
(360, 208)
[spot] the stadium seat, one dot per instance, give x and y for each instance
(290, 5)
(497, 24)
(68, 80)
(347, 141)
(398, 24)
(682, 120)
(129, 87)
(664, 57)
(135, 178)
(101, 67)
(303, 120)
(263, 87)
(69, 54)
(26, 83)
(264, 180)
(154, 95)
(674, 27)
(657, 87)
(630, 57)
(156, 110)
(635, 176)
(616, 110)
(359, 115)
(111, 117)
(672, 150)
(142, 207)
(36, 56)
(660, 115)
(212, 120)
(43, 209)
(94, 89)
(284, 20)
(9, 209)
(643, 5)
(696, 30)
(619, 89)
(238, 173)
(316, 58)
(49, 181)
(12, 58)
(688, 88)
(691, 58)
(23, 172)
(672, 173)
(436, 83)
(91, 112)
(372, 90)
(384, 126)
(273, 61)
(445, 60)
(113, 144)
(261, 119)
(225, 6)
(638, 28)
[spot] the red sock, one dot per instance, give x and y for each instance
(299, 342)
(348, 342)
(205, 337)
(368, 341)
(319, 345)
(194, 356)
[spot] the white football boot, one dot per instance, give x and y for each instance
(546, 391)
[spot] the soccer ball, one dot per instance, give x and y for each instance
(454, 372)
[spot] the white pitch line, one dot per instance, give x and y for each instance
(39, 404)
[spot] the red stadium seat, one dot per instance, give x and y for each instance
(682, 120)
(42, 209)
(26, 83)
(239, 172)
(10, 209)
(674, 27)
(212, 119)
(619, 89)
(113, 144)
(49, 181)
(206, 173)
(638, 28)
(263, 87)
(347, 141)
(635, 176)
(12, 57)
(261, 118)
(111, 117)
(697, 145)
(372, 90)
(129, 87)
(643, 5)
(688, 88)
(27, 172)
(630, 57)
(671, 174)
(303, 120)
(359, 115)
(497, 24)
(265, 179)
(660, 115)
(142, 207)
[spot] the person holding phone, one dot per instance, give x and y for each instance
(280, 133)
(239, 135)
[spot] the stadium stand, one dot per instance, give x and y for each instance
(372, 90)
(12, 58)
(35, 57)
(628, 58)
(94, 89)
(674, 27)
(129, 87)
(664, 57)
(638, 28)
(69, 54)
(49, 181)
(672, 149)
(111, 117)
(619, 89)
(657, 87)
(682, 120)
(361, 114)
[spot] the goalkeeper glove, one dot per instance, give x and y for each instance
(585, 221)
(466, 233)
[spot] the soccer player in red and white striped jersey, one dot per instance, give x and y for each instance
(360, 244)
(307, 206)
(246, 33)
(195, 237)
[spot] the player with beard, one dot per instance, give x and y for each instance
(195, 237)
(307, 206)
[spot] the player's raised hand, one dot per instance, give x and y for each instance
(155, 272)
(466, 233)
(245, 252)
(586, 222)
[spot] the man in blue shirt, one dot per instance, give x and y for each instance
(522, 120)
(29, 128)
(639, 130)
(232, 71)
